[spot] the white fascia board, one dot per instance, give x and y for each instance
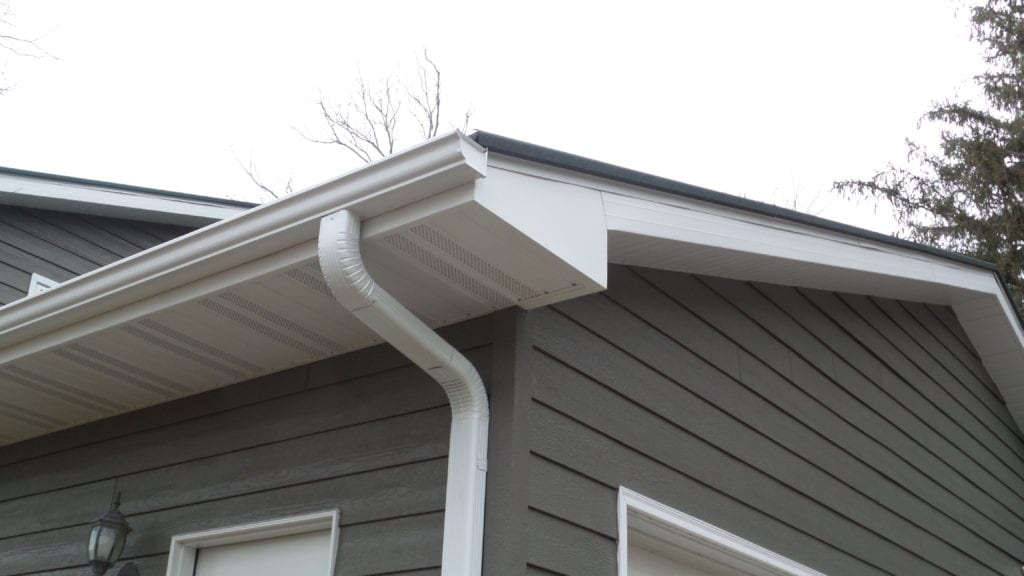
(96, 199)
(732, 231)
(201, 261)
(679, 222)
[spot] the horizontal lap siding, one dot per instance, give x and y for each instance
(61, 245)
(856, 435)
(365, 433)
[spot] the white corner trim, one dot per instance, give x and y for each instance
(182, 558)
(651, 518)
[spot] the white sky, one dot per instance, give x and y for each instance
(769, 100)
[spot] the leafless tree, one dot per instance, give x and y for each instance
(374, 122)
(367, 127)
(14, 43)
(427, 97)
(254, 175)
(370, 125)
(799, 200)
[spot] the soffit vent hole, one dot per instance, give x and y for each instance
(474, 262)
(448, 270)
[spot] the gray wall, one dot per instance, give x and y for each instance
(366, 433)
(855, 435)
(61, 245)
(858, 436)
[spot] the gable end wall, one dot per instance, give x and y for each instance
(857, 436)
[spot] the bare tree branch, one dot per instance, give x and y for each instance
(427, 98)
(253, 174)
(369, 127)
(14, 43)
(343, 132)
(467, 115)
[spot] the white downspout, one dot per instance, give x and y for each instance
(352, 286)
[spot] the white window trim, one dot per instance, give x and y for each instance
(641, 514)
(184, 547)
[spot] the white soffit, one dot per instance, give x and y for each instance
(510, 240)
(673, 232)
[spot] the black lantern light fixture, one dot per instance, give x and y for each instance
(108, 536)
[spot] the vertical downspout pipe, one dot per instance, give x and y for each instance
(351, 285)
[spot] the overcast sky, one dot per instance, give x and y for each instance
(769, 100)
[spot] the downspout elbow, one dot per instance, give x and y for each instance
(352, 286)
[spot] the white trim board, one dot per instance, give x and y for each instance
(48, 192)
(184, 547)
(656, 520)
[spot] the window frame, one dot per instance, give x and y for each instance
(649, 517)
(185, 547)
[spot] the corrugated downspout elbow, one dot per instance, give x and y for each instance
(352, 286)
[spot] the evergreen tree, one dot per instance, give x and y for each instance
(968, 196)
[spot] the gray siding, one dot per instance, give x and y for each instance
(366, 433)
(859, 436)
(61, 245)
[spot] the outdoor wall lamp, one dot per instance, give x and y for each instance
(108, 536)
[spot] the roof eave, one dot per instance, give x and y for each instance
(249, 236)
(82, 196)
(548, 156)
(658, 223)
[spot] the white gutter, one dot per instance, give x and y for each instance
(143, 282)
(352, 286)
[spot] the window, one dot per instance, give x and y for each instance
(656, 540)
(300, 546)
